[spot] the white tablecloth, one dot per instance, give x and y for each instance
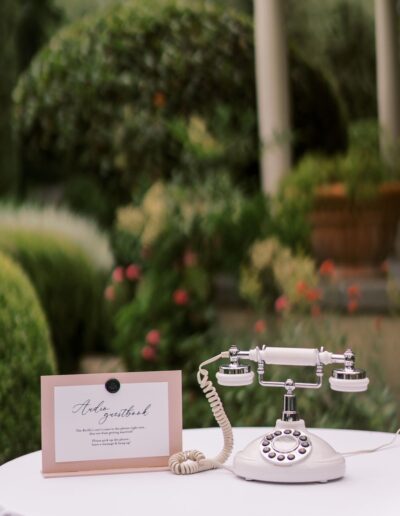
(371, 486)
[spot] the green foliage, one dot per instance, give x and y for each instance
(272, 270)
(37, 21)
(25, 25)
(257, 406)
(85, 196)
(142, 91)
(339, 36)
(68, 285)
(25, 354)
(171, 246)
(313, 109)
(8, 67)
(180, 239)
(75, 9)
(361, 171)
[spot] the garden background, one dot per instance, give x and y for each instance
(133, 231)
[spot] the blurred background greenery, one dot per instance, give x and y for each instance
(130, 203)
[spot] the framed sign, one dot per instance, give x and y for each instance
(110, 423)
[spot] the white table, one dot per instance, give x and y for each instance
(371, 486)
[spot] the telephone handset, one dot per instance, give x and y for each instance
(289, 452)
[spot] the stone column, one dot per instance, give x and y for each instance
(388, 76)
(272, 92)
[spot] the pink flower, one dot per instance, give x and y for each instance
(281, 304)
(180, 297)
(109, 293)
(260, 326)
(189, 258)
(133, 272)
(148, 353)
(153, 338)
(118, 274)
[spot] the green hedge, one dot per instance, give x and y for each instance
(143, 91)
(25, 354)
(69, 287)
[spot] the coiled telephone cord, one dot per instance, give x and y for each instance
(194, 461)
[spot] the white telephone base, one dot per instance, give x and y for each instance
(289, 453)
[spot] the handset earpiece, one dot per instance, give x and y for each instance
(235, 374)
(349, 379)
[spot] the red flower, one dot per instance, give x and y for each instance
(315, 310)
(180, 297)
(153, 338)
(327, 268)
(352, 306)
(133, 272)
(301, 288)
(313, 294)
(149, 353)
(260, 326)
(189, 258)
(159, 99)
(353, 291)
(109, 293)
(118, 274)
(281, 304)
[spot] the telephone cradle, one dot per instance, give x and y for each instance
(288, 453)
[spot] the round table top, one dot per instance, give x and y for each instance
(370, 487)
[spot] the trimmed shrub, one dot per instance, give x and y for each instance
(50, 219)
(144, 91)
(25, 354)
(68, 278)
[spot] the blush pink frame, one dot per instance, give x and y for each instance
(51, 468)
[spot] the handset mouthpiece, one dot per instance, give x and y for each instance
(349, 380)
(235, 374)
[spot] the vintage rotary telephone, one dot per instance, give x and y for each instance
(289, 452)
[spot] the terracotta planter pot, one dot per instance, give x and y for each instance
(355, 235)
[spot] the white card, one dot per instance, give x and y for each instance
(94, 424)
(110, 423)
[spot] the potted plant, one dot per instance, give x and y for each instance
(351, 204)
